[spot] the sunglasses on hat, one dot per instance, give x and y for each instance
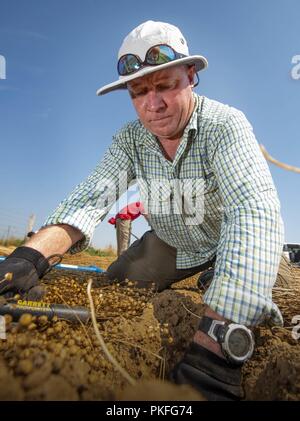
(158, 54)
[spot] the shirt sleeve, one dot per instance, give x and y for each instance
(91, 200)
(251, 238)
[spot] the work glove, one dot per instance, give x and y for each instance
(20, 273)
(212, 376)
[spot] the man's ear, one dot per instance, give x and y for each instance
(191, 75)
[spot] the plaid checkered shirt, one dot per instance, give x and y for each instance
(240, 215)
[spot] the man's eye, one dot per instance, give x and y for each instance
(166, 86)
(135, 94)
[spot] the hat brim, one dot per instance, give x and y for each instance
(200, 63)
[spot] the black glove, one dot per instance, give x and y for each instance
(212, 376)
(27, 266)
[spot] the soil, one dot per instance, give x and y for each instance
(146, 332)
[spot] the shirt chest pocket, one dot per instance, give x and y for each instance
(203, 181)
(210, 184)
(205, 196)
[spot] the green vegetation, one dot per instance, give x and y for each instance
(11, 241)
(108, 251)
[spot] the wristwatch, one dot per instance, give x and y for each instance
(237, 341)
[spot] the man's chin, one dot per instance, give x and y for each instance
(163, 133)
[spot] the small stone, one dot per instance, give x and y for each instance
(22, 340)
(25, 367)
(8, 319)
(32, 326)
(25, 319)
(42, 320)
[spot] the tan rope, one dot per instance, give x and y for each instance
(278, 163)
(113, 361)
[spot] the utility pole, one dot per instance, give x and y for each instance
(7, 235)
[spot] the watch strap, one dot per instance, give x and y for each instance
(212, 327)
(205, 324)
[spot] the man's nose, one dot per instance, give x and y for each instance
(154, 101)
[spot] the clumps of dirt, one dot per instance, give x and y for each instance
(54, 389)
(56, 360)
(110, 301)
(279, 379)
(274, 370)
(146, 332)
(155, 390)
(11, 389)
(180, 311)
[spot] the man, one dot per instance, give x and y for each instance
(182, 146)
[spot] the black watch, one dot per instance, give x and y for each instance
(237, 341)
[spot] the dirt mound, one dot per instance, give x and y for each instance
(147, 333)
(46, 360)
(279, 380)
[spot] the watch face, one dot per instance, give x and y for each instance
(239, 342)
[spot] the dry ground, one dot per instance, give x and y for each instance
(146, 332)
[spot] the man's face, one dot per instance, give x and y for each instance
(163, 100)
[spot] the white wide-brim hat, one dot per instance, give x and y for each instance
(145, 36)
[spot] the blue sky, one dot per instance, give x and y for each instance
(54, 129)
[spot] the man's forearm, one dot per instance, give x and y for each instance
(54, 239)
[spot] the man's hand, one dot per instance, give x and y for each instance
(214, 377)
(20, 273)
(205, 368)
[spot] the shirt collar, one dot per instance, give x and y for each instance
(192, 127)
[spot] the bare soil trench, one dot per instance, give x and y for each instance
(147, 333)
